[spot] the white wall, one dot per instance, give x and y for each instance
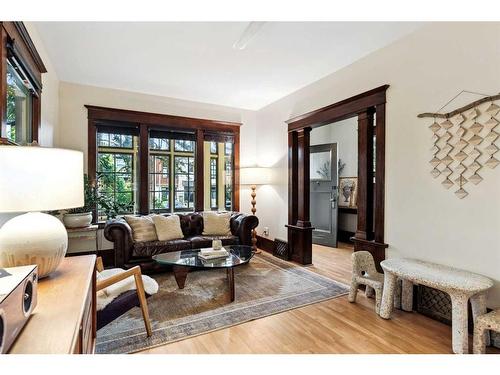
(345, 134)
(50, 100)
(425, 70)
(73, 116)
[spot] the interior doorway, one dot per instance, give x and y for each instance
(334, 183)
(324, 193)
(368, 110)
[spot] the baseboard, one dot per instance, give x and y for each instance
(345, 236)
(265, 244)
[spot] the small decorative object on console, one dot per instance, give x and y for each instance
(18, 298)
(217, 244)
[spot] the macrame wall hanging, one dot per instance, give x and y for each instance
(464, 142)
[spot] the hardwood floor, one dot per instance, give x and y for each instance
(333, 326)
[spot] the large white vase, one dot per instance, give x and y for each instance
(33, 238)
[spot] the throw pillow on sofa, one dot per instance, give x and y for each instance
(168, 227)
(143, 228)
(216, 223)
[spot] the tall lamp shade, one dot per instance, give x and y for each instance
(254, 176)
(34, 179)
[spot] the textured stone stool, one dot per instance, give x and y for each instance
(365, 273)
(483, 324)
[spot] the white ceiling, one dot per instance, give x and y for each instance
(196, 60)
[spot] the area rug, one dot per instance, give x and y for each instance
(264, 287)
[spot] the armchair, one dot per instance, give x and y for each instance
(124, 301)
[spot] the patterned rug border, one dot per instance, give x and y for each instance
(130, 346)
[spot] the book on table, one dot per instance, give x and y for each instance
(210, 253)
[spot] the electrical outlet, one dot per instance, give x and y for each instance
(266, 231)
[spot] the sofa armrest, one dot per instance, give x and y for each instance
(119, 232)
(242, 226)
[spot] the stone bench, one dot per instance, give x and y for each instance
(459, 284)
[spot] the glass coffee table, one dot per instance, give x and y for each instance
(185, 260)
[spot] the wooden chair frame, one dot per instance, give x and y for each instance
(136, 272)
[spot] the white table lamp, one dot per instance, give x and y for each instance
(34, 179)
(254, 176)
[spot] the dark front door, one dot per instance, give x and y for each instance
(324, 188)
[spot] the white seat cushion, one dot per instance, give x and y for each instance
(107, 295)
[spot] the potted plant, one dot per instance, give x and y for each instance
(81, 217)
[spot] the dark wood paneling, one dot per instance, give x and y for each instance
(365, 175)
(380, 174)
(36, 118)
(370, 199)
(340, 110)
(143, 171)
(265, 244)
(293, 197)
(92, 159)
(199, 204)
(236, 173)
(303, 185)
(348, 210)
(146, 118)
(18, 35)
(3, 81)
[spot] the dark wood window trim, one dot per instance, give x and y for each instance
(16, 42)
(203, 129)
(370, 232)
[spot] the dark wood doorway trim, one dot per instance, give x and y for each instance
(203, 129)
(370, 231)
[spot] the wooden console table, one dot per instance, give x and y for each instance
(64, 320)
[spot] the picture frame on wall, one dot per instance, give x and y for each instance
(348, 192)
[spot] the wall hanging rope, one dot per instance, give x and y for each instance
(464, 142)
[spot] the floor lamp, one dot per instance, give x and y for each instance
(254, 176)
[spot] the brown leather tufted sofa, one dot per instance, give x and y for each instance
(129, 253)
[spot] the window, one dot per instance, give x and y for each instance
(184, 146)
(116, 173)
(213, 183)
(184, 189)
(150, 163)
(159, 174)
(18, 125)
(214, 148)
(228, 176)
(22, 86)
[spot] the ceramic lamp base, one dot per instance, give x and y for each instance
(33, 238)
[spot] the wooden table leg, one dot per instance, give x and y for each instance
(230, 280)
(387, 304)
(180, 274)
(460, 334)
